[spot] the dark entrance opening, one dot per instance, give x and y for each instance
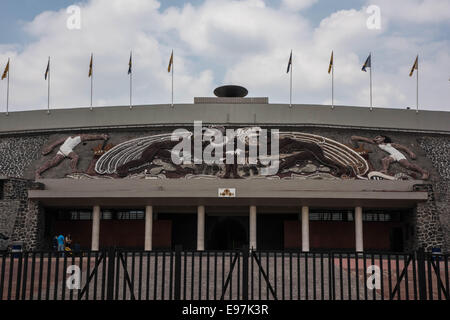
(397, 239)
(184, 229)
(272, 232)
(228, 234)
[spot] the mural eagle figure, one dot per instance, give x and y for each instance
(136, 155)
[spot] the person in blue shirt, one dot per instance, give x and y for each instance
(60, 242)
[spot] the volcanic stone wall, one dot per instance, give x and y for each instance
(21, 219)
(438, 151)
(17, 154)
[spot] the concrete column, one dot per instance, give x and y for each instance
(95, 228)
(201, 228)
(148, 228)
(252, 242)
(358, 229)
(305, 228)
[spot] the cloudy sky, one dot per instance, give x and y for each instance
(218, 42)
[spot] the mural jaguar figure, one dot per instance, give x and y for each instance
(302, 151)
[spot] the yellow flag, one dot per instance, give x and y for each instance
(90, 67)
(415, 66)
(6, 72)
(170, 62)
(331, 62)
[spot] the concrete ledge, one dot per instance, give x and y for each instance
(127, 192)
(228, 114)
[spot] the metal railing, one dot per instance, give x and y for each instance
(223, 275)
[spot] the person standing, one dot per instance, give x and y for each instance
(69, 241)
(61, 243)
(55, 243)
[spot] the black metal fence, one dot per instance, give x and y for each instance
(223, 275)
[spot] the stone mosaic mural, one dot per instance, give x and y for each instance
(301, 156)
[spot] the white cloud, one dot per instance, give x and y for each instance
(109, 29)
(216, 42)
(415, 11)
(297, 5)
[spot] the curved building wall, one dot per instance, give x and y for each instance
(21, 155)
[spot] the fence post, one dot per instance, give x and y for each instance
(111, 273)
(19, 274)
(245, 256)
(421, 274)
(177, 284)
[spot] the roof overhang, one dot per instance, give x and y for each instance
(265, 192)
(274, 115)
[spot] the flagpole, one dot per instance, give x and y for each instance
(92, 76)
(172, 79)
(290, 91)
(48, 87)
(131, 79)
(290, 94)
(7, 91)
(371, 64)
(332, 85)
(417, 86)
(131, 88)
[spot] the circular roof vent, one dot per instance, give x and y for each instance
(230, 91)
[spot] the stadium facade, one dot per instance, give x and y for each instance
(349, 178)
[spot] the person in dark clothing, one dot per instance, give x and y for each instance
(68, 241)
(55, 243)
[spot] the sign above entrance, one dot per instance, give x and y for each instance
(227, 192)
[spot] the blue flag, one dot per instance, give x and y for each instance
(367, 64)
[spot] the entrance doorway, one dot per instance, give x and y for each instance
(396, 239)
(227, 234)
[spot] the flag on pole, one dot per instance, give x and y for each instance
(331, 69)
(130, 70)
(47, 70)
(6, 75)
(47, 75)
(170, 68)
(289, 63)
(170, 62)
(289, 68)
(90, 66)
(415, 66)
(331, 62)
(129, 65)
(90, 76)
(367, 64)
(6, 72)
